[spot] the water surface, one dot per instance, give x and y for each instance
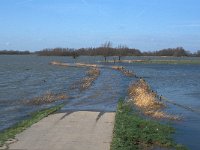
(25, 77)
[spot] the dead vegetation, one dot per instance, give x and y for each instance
(147, 101)
(124, 61)
(91, 75)
(124, 71)
(72, 64)
(58, 63)
(48, 97)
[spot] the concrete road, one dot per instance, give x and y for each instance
(81, 130)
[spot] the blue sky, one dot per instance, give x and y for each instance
(143, 24)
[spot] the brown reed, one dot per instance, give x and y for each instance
(146, 100)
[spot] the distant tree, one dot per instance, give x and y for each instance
(106, 49)
(197, 54)
(177, 52)
(122, 50)
(14, 52)
(74, 54)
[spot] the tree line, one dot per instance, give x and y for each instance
(14, 52)
(177, 52)
(105, 50)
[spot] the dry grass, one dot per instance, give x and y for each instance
(58, 63)
(145, 99)
(124, 61)
(72, 64)
(49, 97)
(91, 76)
(123, 70)
(85, 65)
(119, 68)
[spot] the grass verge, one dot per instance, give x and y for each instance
(21, 126)
(132, 132)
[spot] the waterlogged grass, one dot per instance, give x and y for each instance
(48, 97)
(132, 132)
(158, 61)
(21, 126)
(172, 61)
(127, 73)
(91, 75)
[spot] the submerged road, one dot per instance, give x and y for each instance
(75, 127)
(81, 130)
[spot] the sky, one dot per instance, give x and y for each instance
(143, 24)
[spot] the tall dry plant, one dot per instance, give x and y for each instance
(124, 71)
(91, 76)
(48, 97)
(147, 101)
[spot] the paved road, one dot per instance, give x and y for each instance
(81, 130)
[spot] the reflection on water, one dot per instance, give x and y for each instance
(25, 77)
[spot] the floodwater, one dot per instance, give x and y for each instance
(24, 77)
(180, 84)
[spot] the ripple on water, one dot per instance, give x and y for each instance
(25, 77)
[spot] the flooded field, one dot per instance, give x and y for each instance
(23, 78)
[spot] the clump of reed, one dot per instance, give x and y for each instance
(58, 63)
(85, 65)
(147, 101)
(124, 71)
(91, 76)
(48, 97)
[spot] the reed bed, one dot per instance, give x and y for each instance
(124, 71)
(147, 101)
(48, 97)
(91, 76)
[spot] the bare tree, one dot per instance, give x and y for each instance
(121, 51)
(106, 49)
(197, 54)
(74, 54)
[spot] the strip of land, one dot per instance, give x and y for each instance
(119, 68)
(72, 130)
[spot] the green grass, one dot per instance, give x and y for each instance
(21, 126)
(132, 132)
